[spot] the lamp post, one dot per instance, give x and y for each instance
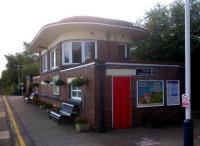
(18, 74)
(188, 124)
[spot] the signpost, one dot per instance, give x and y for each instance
(188, 124)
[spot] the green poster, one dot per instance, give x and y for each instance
(150, 93)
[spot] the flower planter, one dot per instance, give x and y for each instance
(59, 82)
(79, 81)
(82, 127)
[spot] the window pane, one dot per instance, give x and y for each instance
(121, 51)
(76, 52)
(79, 94)
(89, 50)
(66, 52)
(56, 89)
(44, 62)
(52, 59)
(75, 88)
(74, 94)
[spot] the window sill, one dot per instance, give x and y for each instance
(57, 94)
(70, 63)
(76, 98)
(54, 68)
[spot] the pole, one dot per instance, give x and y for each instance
(18, 74)
(18, 77)
(188, 124)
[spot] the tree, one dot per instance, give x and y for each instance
(166, 28)
(166, 40)
(30, 66)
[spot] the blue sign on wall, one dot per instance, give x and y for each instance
(147, 72)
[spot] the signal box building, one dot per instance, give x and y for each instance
(119, 91)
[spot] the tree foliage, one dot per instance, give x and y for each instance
(166, 27)
(29, 65)
(166, 42)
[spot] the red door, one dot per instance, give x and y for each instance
(121, 102)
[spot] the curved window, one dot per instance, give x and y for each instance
(78, 51)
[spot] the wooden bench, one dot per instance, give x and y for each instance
(66, 110)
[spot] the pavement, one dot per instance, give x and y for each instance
(6, 135)
(38, 130)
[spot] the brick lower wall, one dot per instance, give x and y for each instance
(88, 91)
(168, 112)
(91, 102)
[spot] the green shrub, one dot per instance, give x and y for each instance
(47, 80)
(81, 120)
(38, 102)
(79, 81)
(59, 82)
(49, 105)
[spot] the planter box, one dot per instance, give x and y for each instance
(82, 127)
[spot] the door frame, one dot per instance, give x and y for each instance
(131, 105)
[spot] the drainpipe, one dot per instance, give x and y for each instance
(101, 70)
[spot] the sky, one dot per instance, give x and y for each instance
(22, 19)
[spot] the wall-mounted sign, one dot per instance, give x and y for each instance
(150, 93)
(173, 92)
(185, 101)
(147, 72)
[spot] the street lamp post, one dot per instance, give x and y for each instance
(18, 74)
(188, 124)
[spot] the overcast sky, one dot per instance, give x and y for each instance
(22, 19)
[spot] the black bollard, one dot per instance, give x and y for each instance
(188, 132)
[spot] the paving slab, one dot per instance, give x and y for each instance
(6, 134)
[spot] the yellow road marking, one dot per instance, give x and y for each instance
(13, 121)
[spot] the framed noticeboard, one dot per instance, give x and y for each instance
(150, 93)
(173, 92)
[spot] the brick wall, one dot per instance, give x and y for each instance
(108, 51)
(165, 73)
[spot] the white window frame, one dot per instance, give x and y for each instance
(69, 46)
(151, 105)
(55, 89)
(75, 90)
(54, 59)
(126, 50)
(44, 63)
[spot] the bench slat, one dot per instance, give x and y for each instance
(66, 110)
(55, 114)
(64, 113)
